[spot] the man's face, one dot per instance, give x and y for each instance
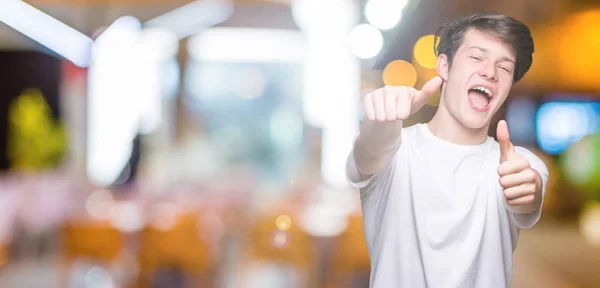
(479, 80)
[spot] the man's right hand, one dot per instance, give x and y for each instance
(392, 103)
(377, 144)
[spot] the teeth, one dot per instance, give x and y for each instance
(484, 90)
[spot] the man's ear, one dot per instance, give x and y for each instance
(442, 66)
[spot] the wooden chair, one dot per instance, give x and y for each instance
(294, 250)
(3, 255)
(180, 249)
(97, 242)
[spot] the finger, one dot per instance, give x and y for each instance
(503, 136)
(519, 191)
(525, 200)
(428, 90)
(369, 108)
(378, 104)
(511, 180)
(513, 166)
(403, 105)
(389, 101)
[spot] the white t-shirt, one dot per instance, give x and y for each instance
(437, 216)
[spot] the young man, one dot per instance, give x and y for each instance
(442, 202)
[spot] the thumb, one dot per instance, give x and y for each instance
(427, 91)
(503, 136)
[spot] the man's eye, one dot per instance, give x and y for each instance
(476, 58)
(505, 69)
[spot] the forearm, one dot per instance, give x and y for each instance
(376, 145)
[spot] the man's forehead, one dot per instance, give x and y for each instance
(487, 43)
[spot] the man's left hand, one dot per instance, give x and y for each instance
(521, 183)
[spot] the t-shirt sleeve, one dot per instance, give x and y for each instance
(525, 221)
(359, 181)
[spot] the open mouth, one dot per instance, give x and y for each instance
(480, 98)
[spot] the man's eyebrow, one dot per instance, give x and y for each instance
(479, 48)
(505, 59)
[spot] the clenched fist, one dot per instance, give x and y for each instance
(392, 103)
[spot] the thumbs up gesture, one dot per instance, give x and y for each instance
(392, 103)
(521, 183)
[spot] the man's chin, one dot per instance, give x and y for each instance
(475, 123)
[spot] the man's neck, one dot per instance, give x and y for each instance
(447, 127)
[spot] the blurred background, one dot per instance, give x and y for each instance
(149, 143)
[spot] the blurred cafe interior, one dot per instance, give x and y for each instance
(181, 143)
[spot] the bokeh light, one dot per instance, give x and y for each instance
(589, 223)
(97, 277)
(127, 217)
(423, 52)
(324, 220)
(384, 14)
(249, 83)
(577, 43)
(314, 15)
(100, 204)
(581, 163)
(365, 41)
(399, 73)
(424, 74)
(280, 239)
(568, 46)
(283, 222)
(559, 124)
(164, 216)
